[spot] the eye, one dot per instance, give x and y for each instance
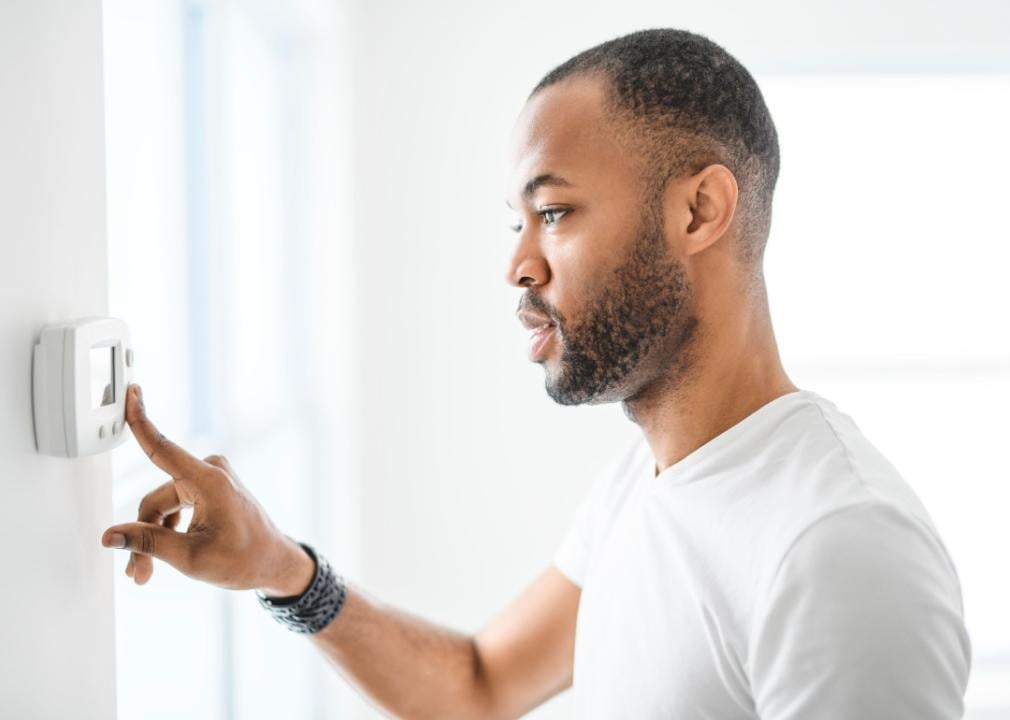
(552, 215)
(549, 216)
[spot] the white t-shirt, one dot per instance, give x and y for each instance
(783, 570)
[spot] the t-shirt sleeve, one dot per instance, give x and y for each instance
(573, 555)
(863, 620)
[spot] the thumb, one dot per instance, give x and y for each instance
(150, 539)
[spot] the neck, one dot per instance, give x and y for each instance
(735, 371)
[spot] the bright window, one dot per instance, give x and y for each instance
(208, 265)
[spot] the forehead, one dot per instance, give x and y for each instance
(564, 130)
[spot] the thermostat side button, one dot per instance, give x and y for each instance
(129, 357)
(101, 432)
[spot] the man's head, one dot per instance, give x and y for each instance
(643, 172)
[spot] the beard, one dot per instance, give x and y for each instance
(636, 331)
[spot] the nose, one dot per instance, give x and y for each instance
(527, 266)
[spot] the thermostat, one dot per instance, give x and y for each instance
(80, 370)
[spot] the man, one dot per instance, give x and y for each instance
(753, 556)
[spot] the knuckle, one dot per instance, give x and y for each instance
(219, 475)
(161, 443)
(147, 541)
(216, 460)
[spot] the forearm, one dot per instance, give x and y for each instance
(409, 667)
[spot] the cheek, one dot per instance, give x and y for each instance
(577, 278)
(584, 256)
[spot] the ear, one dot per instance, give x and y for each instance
(703, 206)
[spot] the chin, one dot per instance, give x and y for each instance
(624, 389)
(572, 399)
(578, 396)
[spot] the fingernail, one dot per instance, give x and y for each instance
(116, 540)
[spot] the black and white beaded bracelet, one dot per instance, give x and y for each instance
(315, 608)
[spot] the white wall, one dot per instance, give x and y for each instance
(56, 615)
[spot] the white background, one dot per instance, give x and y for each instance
(308, 238)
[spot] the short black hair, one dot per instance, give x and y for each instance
(685, 103)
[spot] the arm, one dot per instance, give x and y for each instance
(412, 668)
(405, 665)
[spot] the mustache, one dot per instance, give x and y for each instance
(531, 301)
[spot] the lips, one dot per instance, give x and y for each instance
(539, 340)
(541, 330)
(533, 320)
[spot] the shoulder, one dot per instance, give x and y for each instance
(867, 541)
(615, 477)
(863, 612)
(824, 487)
(597, 511)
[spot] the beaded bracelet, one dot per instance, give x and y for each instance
(315, 608)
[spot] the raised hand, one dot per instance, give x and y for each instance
(230, 541)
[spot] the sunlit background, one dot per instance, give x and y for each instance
(308, 240)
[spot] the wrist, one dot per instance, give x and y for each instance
(314, 608)
(295, 571)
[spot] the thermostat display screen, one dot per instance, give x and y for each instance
(103, 376)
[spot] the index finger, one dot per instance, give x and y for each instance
(163, 452)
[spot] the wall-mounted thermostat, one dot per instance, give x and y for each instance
(80, 370)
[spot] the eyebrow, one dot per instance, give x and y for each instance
(543, 180)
